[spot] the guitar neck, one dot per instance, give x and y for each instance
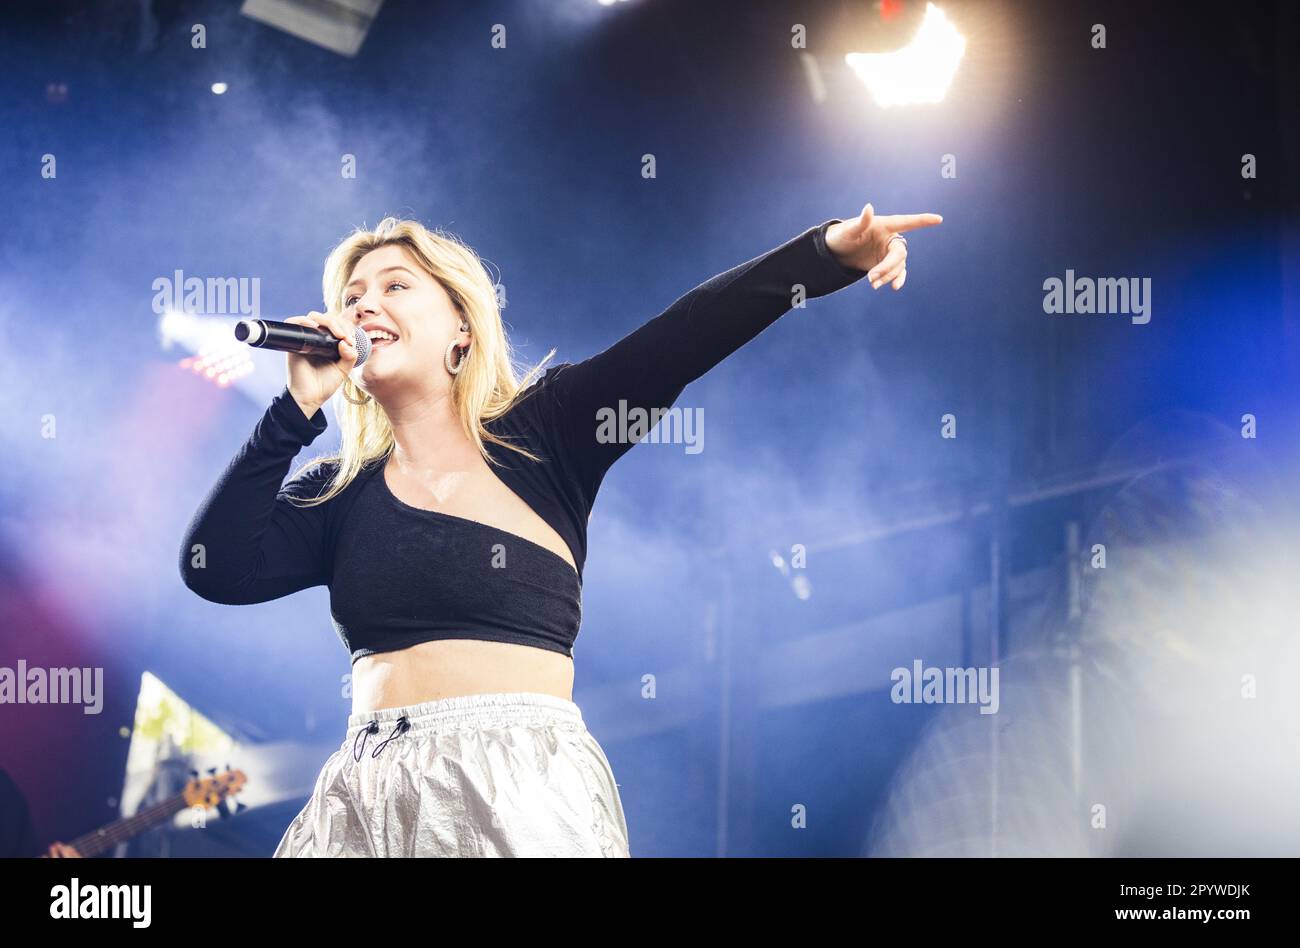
(119, 831)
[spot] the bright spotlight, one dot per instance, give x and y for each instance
(218, 357)
(220, 365)
(218, 88)
(919, 72)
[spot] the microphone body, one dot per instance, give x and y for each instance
(302, 340)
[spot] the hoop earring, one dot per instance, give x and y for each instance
(353, 401)
(464, 354)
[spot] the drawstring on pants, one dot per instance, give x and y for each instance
(403, 725)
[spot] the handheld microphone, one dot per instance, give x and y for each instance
(302, 340)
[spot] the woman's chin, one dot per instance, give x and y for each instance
(379, 364)
(378, 375)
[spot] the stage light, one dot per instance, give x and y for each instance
(219, 88)
(219, 357)
(921, 71)
(337, 25)
(174, 327)
(220, 365)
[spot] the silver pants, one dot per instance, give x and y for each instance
(481, 775)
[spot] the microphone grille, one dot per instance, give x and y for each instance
(362, 344)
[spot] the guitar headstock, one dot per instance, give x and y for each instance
(208, 792)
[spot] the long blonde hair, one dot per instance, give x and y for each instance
(486, 386)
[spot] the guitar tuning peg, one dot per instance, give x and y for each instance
(194, 773)
(212, 770)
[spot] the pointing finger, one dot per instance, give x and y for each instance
(905, 222)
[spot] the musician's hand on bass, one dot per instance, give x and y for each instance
(61, 851)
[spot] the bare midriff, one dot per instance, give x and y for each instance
(450, 668)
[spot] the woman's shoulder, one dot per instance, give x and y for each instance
(537, 393)
(317, 476)
(312, 478)
(556, 379)
(547, 379)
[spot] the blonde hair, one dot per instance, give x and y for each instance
(486, 386)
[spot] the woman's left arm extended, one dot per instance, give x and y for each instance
(648, 368)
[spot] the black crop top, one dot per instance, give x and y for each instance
(399, 575)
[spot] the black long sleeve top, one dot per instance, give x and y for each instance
(399, 575)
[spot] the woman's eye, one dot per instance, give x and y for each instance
(352, 299)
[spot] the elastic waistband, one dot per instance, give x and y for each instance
(522, 707)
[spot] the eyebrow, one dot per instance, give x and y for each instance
(380, 273)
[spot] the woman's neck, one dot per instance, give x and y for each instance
(428, 436)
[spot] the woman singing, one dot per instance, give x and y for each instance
(451, 530)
